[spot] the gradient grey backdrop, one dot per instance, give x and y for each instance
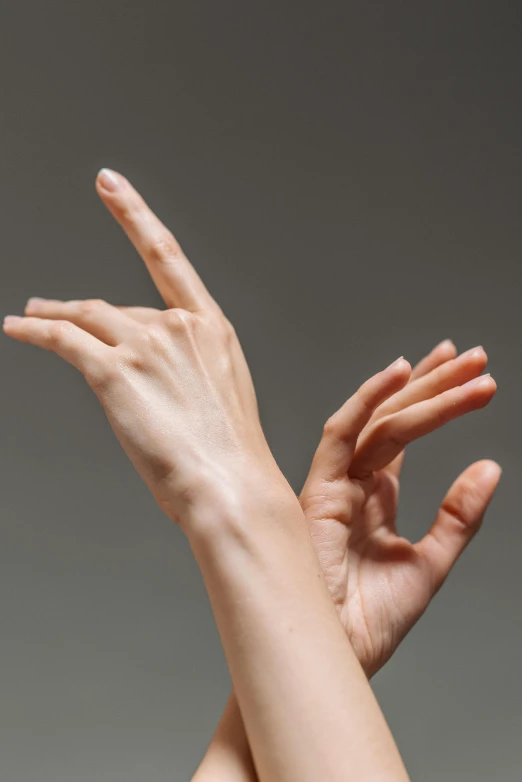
(346, 178)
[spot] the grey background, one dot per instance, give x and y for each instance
(346, 178)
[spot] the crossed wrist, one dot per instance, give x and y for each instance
(217, 497)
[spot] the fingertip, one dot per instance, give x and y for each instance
(476, 355)
(446, 342)
(490, 470)
(399, 367)
(396, 376)
(400, 372)
(487, 386)
(108, 181)
(481, 479)
(447, 348)
(482, 388)
(33, 304)
(10, 321)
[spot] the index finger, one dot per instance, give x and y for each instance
(172, 273)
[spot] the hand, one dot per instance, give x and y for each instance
(125, 373)
(175, 387)
(178, 395)
(380, 582)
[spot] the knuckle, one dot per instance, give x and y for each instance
(443, 416)
(101, 376)
(332, 427)
(91, 307)
(366, 397)
(152, 338)
(462, 507)
(386, 431)
(164, 248)
(228, 328)
(457, 512)
(178, 319)
(130, 357)
(126, 212)
(59, 332)
(135, 360)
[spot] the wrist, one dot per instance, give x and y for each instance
(222, 497)
(243, 512)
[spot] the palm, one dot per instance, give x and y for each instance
(376, 579)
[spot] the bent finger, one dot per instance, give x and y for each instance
(454, 372)
(334, 453)
(438, 372)
(441, 353)
(391, 434)
(458, 520)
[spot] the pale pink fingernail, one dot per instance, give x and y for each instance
(34, 301)
(109, 179)
(477, 381)
(446, 342)
(471, 351)
(11, 320)
(397, 360)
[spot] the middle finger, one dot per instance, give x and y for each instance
(96, 316)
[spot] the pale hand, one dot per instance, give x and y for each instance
(141, 359)
(176, 390)
(380, 582)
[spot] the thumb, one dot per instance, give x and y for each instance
(459, 519)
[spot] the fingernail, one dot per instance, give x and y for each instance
(108, 179)
(446, 342)
(477, 381)
(11, 319)
(470, 352)
(395, 362)
(33, 302)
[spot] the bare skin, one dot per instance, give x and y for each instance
(380, 583)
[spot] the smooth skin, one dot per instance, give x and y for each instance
(346, 497)
(380, 582)
(179, 397)
(380, 586)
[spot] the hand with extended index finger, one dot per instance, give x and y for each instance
(174, 384)
(347, 512)
(178, 394)
(441, 387)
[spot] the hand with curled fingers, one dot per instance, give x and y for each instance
(381, 583)
(175, 386)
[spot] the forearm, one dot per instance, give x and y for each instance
(228, 757)
(308, 709)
